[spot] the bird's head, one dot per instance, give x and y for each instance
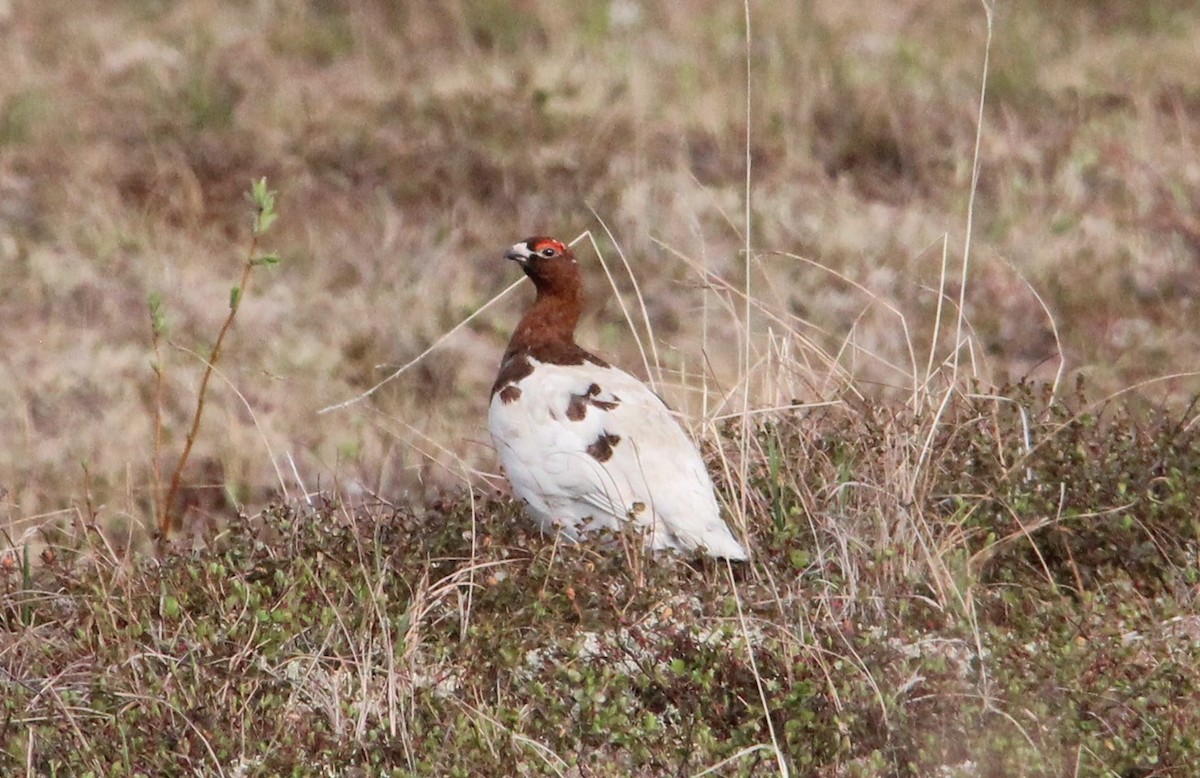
(549, 262)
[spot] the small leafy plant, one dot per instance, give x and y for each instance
(264, 216)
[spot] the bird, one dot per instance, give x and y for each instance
(586, 445)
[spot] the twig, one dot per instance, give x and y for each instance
(177, 475)
(264, 217)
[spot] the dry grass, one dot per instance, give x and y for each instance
(407, 145)
(1030, 612)
(915, 516)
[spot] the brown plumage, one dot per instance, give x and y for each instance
(547, 330)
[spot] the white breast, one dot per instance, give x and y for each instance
(590, 447)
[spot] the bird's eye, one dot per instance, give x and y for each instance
(549, 251)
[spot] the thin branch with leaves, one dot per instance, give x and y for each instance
(265, 215)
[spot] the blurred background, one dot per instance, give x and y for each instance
(410, 143)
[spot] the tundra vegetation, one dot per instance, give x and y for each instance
(921, 280)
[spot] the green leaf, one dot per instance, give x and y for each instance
(235, 297)
(158, 321)
(264, 205)
(266, 259)
(264, 221)
(26, 569)
(799, 558)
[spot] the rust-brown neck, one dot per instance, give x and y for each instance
(548, 327)
(546, 333)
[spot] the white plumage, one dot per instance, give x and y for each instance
(589, 447)
(651, 473)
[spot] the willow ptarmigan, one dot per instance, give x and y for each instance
(587, 446)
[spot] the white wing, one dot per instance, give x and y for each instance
(591, 447)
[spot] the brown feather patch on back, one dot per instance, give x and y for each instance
(510, 394)
(602, 448)
(577, 406)
(514, 368)
(605, 405)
